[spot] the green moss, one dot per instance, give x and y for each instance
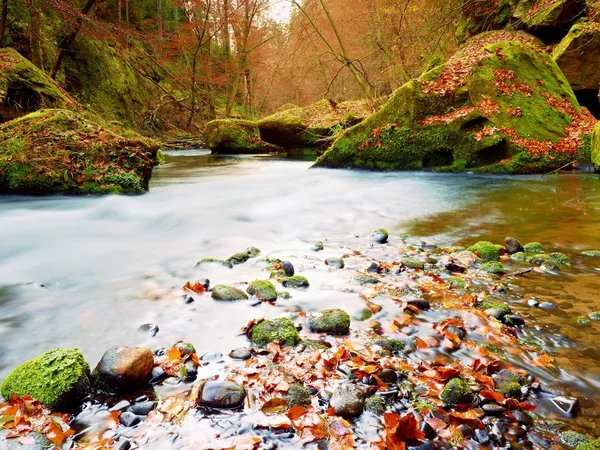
(580, 321)
(242, 257)
(592, 253)
(493, 267)
(520, 256)
(275, 330)
(235, 136)
(365, 279)
(573, 438)
(533, 247)
(457, 283)
(318, 246)
(58, 378)
(509, 383)
(220, 262)
(296, 281)
(264, 290)
(412, 263)
(186, 347)
(297, 395)
(363, 314)
(592, 445)
(331, 321)
(227, 293)
(486, 250)
(391, 345)
(596, 147)
(538, 260)
(559, 258)
(495, 304)
(457, 392)
(595, 316)
(375, 405)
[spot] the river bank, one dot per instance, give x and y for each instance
(99, 306)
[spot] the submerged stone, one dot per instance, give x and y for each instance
(592, 253)
(336, 263)
(60, 379)
(533, 247)
(219, 262)
(573, 438)
(264, 290)
(493, 267)
(412, 263)
(225, 293)
(242, 257)
(275, 330)
(222, 395)
(330, 321)
(509, 383)
(391, 345)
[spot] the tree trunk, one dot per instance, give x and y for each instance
(120, 6)
(68, 40)
(3, 17)
(34, 38)
(159, 19)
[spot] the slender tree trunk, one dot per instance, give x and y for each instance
(212, 111)
(194, 85)
(3, 17)
(34, 38)
(66, 43)
(120, 6)
(159, 19)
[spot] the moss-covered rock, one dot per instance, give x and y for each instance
(483, 15)
(509, 383)
(576, 55)
(297, 281)
(375, 405)
(573, 438)
(457, 392)
(24, 88)
(486, 250)
(595, 316)
(533, 247)
(591, 253)
(493, 267)
(412, 263)
(219, 262)
(236, 136)
(591, 445)
(491, 304)
(297, 395)
(499, 105)
(263, 289)
(457, 283)
(59, 378)
(519, 256)
(242, 257)
(225, 293)
(306, 127)
(539, 259)
(391, 345)
(60, 151)
(559, 258)
(275, 330)
(549, 20)
(330, 321)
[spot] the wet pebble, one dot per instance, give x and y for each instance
(222, 394)
(158, 374)
(427, 430)
(533, 302)
(241, 353)
(121, 444)
(381, 236)
(373, 268)
(120, 406)
(566, 405)
(513, 246)
(387, 376)
(142, 408)
(547, 305)
(149, 328)
(493, 409)
(129, 419)
(514, 320)
(420, 303)
(212, 357)
(482, 436)
(347, 400)
(191, 370)
(336, 263)
(187, 299)
(288, 268)
(126, 368)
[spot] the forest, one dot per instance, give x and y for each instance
(299, 224)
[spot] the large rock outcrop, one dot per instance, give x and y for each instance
(60, 151)
(578, 56)
(24, 88)
(501, 104)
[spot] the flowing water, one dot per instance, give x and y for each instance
(88, 272)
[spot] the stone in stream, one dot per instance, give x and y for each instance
(375, 405)
(347, 400)
(567, 405)
(366, 280)
(373, 268)
(318, 246)
(393, 346)
(142, 408)
(214, 261)
(275, 330)
(122, 405)
(263, 290)
(222, 395)
(427, 430)
(288, 268)
(420, 303)
(242, 257)
(336, 263)
(533, 247)
(573, 438)
(331, 321)
(493, 267)
(412, 263)
(381, 236)
(124, 368)
(457, 392)
(493, 409)
(486, 250)
(129, 419)
(40, 442)
(158, 375)
(591, 253)
(513, 246)
(226, 293)
(296, 281)
(509, 383)
(550, 267)
(60, 379)
(522, 417)
(513, 320)
(297, 395)
(149, 328)
(241, 353)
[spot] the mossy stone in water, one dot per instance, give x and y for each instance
(296, 281)
(592, 253)
(457, 283)
(391, 345)
(573, 438)
(381, 236)
(262, 289)
(486, 250)
(331, 321)
(509, 383)
(580, 321)
(60, 379)
(592, 445)
(520, 256)
(318, 246)
(220, 262)
(533, 247)
(275, 330)
(539, 259)
(412, 263)
(225, 293)
(297, 395)
(457, 392)
(493, 267)
(560, 258)
(375, 405)
(595, 316)
(242, 257)
(495, 304)
(363, 314)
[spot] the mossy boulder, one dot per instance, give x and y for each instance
(297, 281)
(307, 126)
(483, 15)
(55, 151)
(493, 267)
(550, 20)
(508, 383)
(573, 438)
(486, 250)
(297, 395)
(275, 330)
(533, 247)
(235, 136)
(331, 321)
(242, 257)
(457, 392)
(219, 262)
(263, 289)
(24, 88)
(412, 263)
(596, 147)
(375, 405)
(591, 445)
(577, 56)
(393, 346)
(499, 105)
(59, 378)
(225, 293)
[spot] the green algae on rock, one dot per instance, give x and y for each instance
(297, 281)
(330, 321)
(533, 247)
(60, 379)
(375, 405)
(61, 151)
(493, 267)
(573, 438)
(297, 395)
(263, 289)
(275, 330)
(499, 105)
(486, 250)
(225, 293)
(220, 262)
(242, 257)
(590, 445)
(457, 392)
(393, 346)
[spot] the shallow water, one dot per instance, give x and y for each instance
(88, 272)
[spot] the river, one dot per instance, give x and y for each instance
(87, 272)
